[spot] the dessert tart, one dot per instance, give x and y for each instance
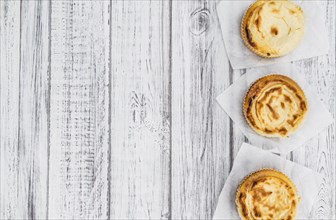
(265, 195)
(275, 106)
(272, 28)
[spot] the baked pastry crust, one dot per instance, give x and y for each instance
(272, 28)
(267, 194)
(275, 106)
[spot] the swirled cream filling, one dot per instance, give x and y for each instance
(269, 198)
(277, 109)
(275, 27)
(275, 106)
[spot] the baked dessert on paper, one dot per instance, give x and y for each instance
(267, 194)
(273, 28)
(275, 106)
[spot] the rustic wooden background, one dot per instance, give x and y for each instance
(107, 110)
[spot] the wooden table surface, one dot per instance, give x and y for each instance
(108, 110)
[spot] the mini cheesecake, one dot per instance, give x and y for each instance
(273, 28)
(266, 195)
(275, 106)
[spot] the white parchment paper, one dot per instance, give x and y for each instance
(314, 43)
(251, 159)
(317, 119)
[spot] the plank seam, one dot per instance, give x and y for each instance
(48, 108)
(19, 103)
(170, 110)
(109, 169)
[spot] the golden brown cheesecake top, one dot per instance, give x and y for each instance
(267, 195)
(275, 106)
(273, 28)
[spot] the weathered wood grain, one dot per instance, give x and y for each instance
(79, 147)
(319, 153)
(140, 110)
(34, 109)
(24, 109)
(200, 130)
(9, 104)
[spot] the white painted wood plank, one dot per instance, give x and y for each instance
(79, 147)
(319, 153)
(140, 110)
(34, 100)
(24, 109)
(200, 129)
(9, 104)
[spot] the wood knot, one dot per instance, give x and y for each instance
(199, 21)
